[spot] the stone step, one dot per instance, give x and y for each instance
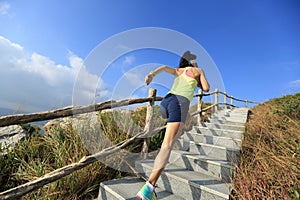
(218, 132)
(239, 119)
(223, 126)
(239, 116)
(234, 110)
(229, 114)
(201, 164)
(127, 188)
(187, 184)
(213, 151)
(220, 169)
(217, 121)
(215, 140)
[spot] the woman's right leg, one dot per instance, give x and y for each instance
(173, 132)
(170, 108)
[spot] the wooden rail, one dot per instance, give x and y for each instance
(69, 111)
(75, 110)
(216, 92)
(217, 102)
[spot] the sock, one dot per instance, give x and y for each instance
(150, 186)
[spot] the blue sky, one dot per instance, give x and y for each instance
(254, 44)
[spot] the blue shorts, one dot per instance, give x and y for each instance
(174, 107)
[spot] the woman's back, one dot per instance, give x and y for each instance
(185, 83)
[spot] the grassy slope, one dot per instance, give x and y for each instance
(270, 161)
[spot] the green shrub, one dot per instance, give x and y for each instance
(289, 105)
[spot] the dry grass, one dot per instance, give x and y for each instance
(67, 142)
(269, 166)
(39, 155)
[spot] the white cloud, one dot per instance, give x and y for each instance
(35, 82)
(128, 60)
(4, 7)
(134, 78)
(292, 87)
(295, 83)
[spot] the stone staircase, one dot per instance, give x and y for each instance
(201, 165)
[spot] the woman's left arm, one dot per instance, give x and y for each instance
(163, 68)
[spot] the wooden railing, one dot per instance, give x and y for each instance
(75, 110)
(217, 103)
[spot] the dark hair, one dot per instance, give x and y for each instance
(185, 60)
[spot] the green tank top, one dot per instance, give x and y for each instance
(184, 85)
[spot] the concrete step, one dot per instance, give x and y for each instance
(234, 110)
(187, 184)
(223, 126)
(127, 188)
(220, 169)
(214, 140)
(217, 121)
(239, 119)
(213, 151)
(231, 115)
(201, 164)
(218, 132)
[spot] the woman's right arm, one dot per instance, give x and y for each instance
(203, 83)
(163, 68)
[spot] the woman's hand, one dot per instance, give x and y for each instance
(148, 79)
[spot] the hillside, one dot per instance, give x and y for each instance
(268, 168)
(270, 162)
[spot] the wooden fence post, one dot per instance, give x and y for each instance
(149, 121)
(199, 107)
(216, 98)
(225, 100)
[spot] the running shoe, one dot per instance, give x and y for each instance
(146, 194)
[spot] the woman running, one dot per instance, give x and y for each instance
(174, 107)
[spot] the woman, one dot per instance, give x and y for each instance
(174, 106)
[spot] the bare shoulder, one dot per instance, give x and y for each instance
(195, 71)
(200, 70)
(179, 70)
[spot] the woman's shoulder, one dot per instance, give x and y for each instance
(194, 70)
(179, 70)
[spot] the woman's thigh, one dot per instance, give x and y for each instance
(173, 131)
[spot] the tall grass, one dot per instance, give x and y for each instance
(38, 155)
(66, 143)
(269, 166)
